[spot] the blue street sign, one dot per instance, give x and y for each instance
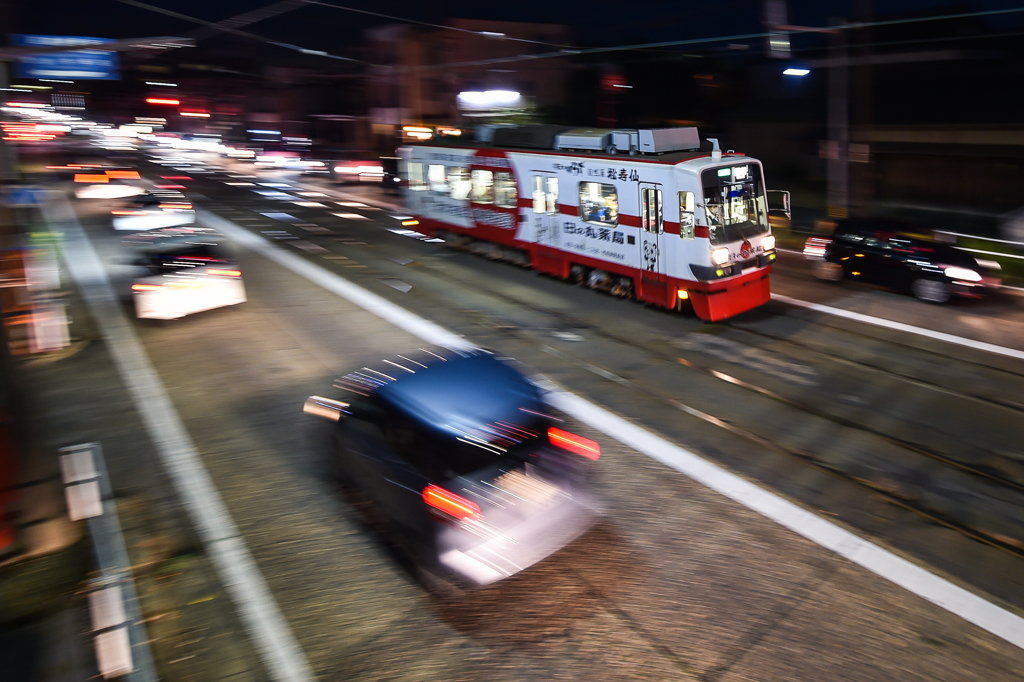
(21, 196)
(88, 64)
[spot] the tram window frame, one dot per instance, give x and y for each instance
(482, 186)
(539, 196)
(552, 196)
(655, 224)
(506, 190)
(459, 182)
(586, 212)
(687, 215)
(438, 185)
(417, 183)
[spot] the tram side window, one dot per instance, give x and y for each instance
(416, 180)
(437, 179)
(686, 222)
(458, 179)
(552, 198)
(538, 194)
(483, 187)
(506, 194)
(599, 203)
(545, 194)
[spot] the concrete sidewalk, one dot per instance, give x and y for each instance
(44, 556)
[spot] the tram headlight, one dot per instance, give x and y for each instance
(720, 256)
(768, 243)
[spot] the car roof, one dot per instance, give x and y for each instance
(922, 244)
(453, 391)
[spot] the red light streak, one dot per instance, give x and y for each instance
(573, 443)
(450, 503)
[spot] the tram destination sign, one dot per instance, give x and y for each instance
(89, 61)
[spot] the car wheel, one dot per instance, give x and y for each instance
(830, 272)
(931, 290)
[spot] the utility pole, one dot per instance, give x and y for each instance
(838, 146)
(862, 112)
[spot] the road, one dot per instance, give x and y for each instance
(910, 442)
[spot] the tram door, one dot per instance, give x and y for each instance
(651, 218)
(545, 208)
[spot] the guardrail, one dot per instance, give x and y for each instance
(1002, 254)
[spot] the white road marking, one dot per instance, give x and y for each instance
(906, 328)
(378, 305)
(280, 652)
(881, 562)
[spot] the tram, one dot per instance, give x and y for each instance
(649, 214)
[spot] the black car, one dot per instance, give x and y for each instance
(460, 454)
(894, 254)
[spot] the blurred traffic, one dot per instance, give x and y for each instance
(749, 278)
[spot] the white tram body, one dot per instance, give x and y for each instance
(671, 227)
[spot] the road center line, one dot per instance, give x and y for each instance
(899, 326)
(939, 591)
(238, 572)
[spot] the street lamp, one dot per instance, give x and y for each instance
(488, 99)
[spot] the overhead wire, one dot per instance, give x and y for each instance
(222, 27)
(700, 41)
(246, 18)
(565, 51)
(502, 36)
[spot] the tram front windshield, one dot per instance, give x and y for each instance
(734, 203)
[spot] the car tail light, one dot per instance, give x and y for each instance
(124, 175)
(573, 443)
(146, 287)
(91, 177)
(128, 212)
(224, 273)
(176, 206)
(451, 504)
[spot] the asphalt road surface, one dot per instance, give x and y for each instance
(910, 442)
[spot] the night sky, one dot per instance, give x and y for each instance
(597, 22)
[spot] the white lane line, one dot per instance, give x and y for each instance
(899, 326)
(881, 562)
(379, 306)
(259, 612)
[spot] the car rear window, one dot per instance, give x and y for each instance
(463, 456)
(447, 453)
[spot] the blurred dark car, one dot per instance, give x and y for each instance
(895, 255)
(460, 454)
